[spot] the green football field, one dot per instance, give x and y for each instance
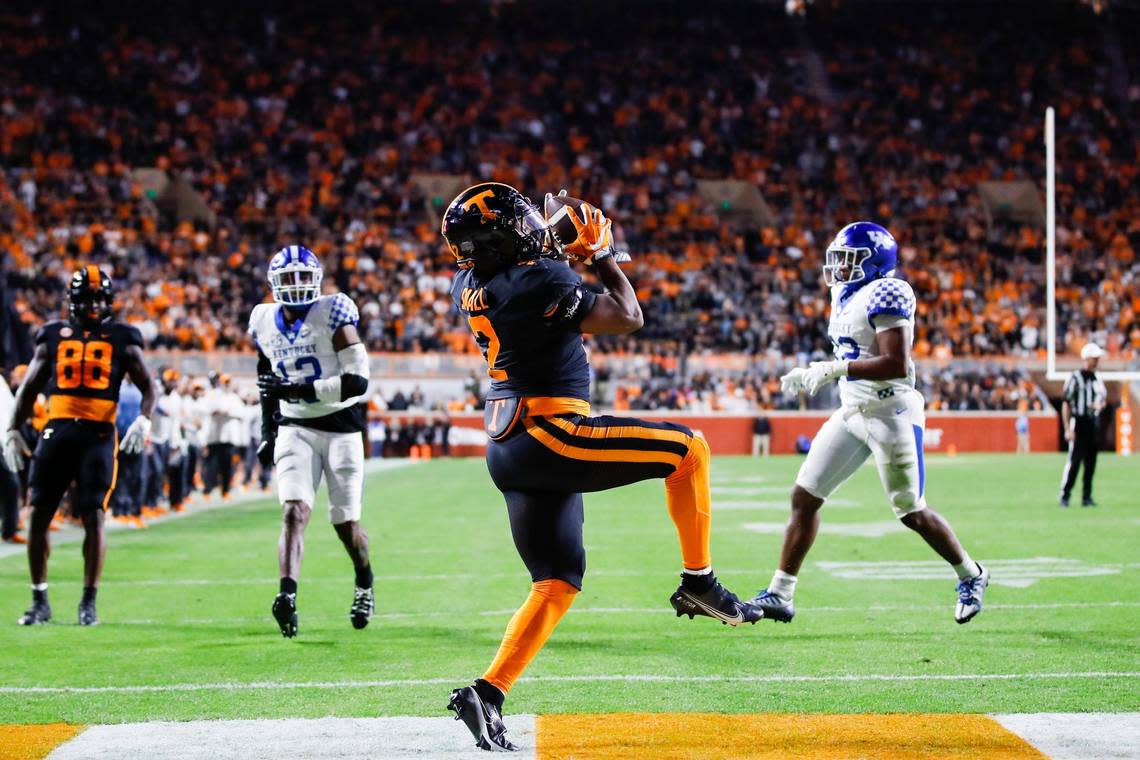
(186, 604)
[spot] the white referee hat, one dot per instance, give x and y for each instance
(1092, 351)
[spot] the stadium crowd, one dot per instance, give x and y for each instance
(993, 389)
(304, 127)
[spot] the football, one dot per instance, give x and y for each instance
(555, 207)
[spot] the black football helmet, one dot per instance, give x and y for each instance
(90, 297)
(492, 225)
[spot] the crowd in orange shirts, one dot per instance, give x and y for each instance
(298, 125)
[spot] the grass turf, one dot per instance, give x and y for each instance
(187, 602)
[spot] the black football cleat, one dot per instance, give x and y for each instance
(1088, 502)
(87, 614)
(285, 613)
(482, 719)
(717, 602)
(38, 614)
(775, 607)
(361, 610)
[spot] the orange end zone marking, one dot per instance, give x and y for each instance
(33, 742)
(711, 736)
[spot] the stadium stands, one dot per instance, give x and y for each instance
(300, 126)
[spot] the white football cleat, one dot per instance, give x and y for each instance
(970, 594)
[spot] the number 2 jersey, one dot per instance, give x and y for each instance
(302, 352)
(856, 318)
(87, 368)
(525, 318)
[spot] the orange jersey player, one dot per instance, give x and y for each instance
(528, 309)
(79, 365)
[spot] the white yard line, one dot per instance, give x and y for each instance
(599, 678)
(242, 620)
(317, 739)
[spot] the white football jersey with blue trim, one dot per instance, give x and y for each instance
(877, 306)
(303, 351)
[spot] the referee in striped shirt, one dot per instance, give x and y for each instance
(1084, 400)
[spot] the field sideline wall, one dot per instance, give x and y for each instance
(732, 434)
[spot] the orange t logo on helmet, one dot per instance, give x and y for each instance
(478, 202)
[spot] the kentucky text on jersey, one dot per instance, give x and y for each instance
(302, 351)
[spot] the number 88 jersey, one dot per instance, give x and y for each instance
(87, 368)
(856, 318)
(302, 351)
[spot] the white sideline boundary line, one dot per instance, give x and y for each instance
(1077, 736)
(600, 678)
(1059, 736)
(392, 738)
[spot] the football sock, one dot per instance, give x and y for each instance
(783, 585)
(89, 594)
(528, 630)
(698, 583)
(488, 692)
(39, 592)
(288, 586)
(364, 577)
(968, 568)
(690, 504)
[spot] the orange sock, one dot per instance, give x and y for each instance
(690, 505)
(528, 631)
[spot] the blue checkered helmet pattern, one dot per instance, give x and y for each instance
(860, 253)
(295, 276)
(343, 312)
(890, 297)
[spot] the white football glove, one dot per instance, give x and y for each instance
(793, 382)
(134, 441)
(819, 374)
(15, 450)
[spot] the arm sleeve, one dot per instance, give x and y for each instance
(891, 299)
(565, 299)
(269, 406)
(1070, 386)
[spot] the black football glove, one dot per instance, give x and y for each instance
(273, 387)
(265, 452)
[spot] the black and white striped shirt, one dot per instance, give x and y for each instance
(1085, 393)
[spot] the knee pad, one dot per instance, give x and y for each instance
(698, 457)
(555, 588)
(905, 502)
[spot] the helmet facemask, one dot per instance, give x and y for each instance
(531, 225)
(89, 309)
(296, 284)
(844, 265)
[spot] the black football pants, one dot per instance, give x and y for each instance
(547, 463)
(1082, 453)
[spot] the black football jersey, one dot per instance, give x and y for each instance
(526, 320)
(87, 368)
